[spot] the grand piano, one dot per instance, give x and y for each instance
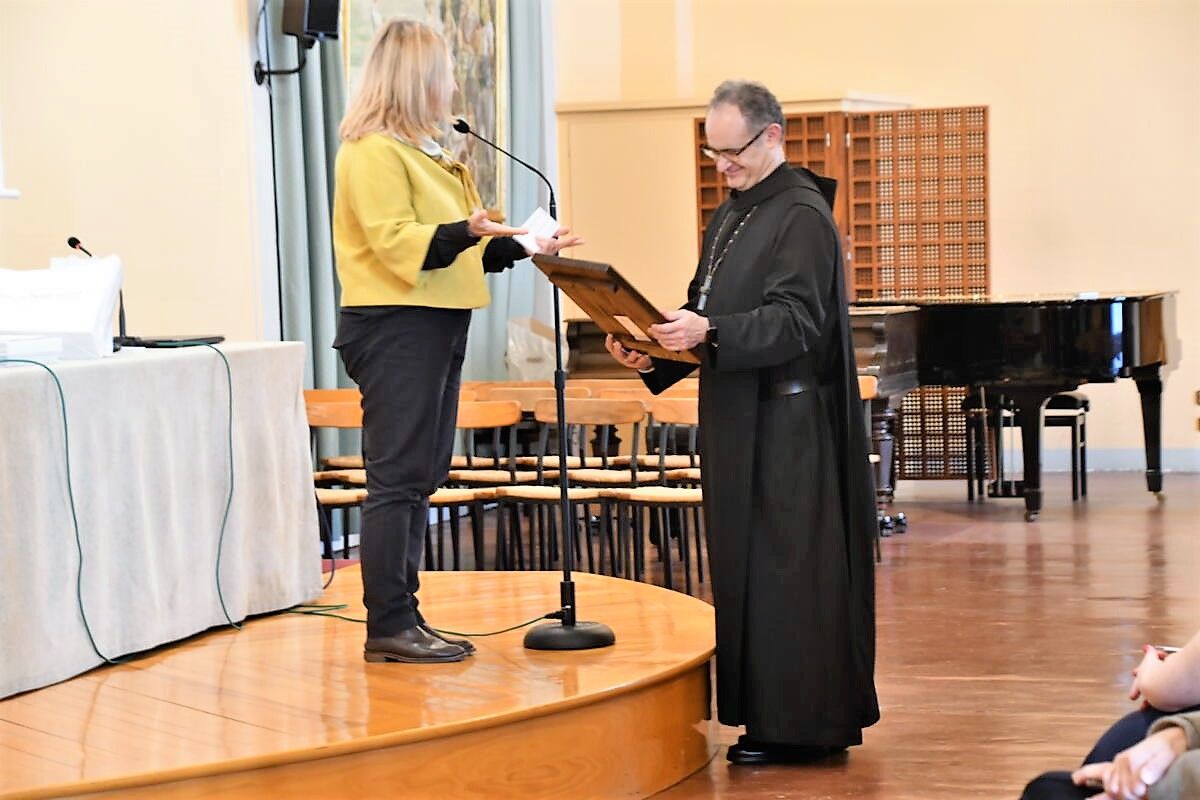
(1025, 349)
(1021, 348)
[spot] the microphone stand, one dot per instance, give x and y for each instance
(571, 634)
(121, 339)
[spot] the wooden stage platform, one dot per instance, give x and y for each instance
(287, 706)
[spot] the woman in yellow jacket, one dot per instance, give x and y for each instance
(412, 244)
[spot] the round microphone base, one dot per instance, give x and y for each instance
(580, 636)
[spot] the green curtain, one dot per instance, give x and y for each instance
(521, 291)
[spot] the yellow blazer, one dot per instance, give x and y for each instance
(389, 198)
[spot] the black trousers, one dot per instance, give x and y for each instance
(407, 361)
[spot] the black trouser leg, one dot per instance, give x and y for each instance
(407, 363)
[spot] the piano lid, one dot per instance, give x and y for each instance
(1028, 299)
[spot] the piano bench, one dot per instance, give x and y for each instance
(1062, 410)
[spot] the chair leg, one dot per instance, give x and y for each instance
(684, 557)
(700, 546)
(477, 534)
(325, 520)
(664, 545)
(456, 553)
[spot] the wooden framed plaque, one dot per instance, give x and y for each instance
(612, 303)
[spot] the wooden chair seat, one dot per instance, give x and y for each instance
(545, 493)
(551, 462)
(497, 477)
(354, 477)
(342, 462)
(610, 476)
(458, 497)
(341, 498)
(690, 475)
(661, 495)
(675, 461)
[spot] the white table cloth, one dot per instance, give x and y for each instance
(149, 465)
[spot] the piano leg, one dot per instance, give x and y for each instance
(1030, 404)
(883, 421)
(1149, 383)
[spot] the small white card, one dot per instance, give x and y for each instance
(539, 224)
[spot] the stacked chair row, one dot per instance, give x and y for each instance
(623, 494)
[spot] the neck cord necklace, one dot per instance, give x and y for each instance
(714, 261)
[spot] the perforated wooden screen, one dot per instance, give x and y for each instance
(913, 211)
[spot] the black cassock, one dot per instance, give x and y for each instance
(788, 496)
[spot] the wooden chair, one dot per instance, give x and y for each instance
(353, 395)
(674, 515)
(330, 486)
(448, 505)
(501, 417)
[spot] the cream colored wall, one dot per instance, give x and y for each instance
(131, 124)
(1094, 124)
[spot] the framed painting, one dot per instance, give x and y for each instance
(477, 33)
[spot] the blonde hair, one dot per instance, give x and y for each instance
(406, 84)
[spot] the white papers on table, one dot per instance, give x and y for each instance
(539, 224)
(73, 301)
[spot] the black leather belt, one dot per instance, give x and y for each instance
(786, 388)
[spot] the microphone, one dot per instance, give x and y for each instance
(74, 243)
(461, 126)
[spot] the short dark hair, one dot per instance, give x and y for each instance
(753, 100)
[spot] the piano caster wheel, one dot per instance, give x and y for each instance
(1161, 497)
(901, 522)
(1031, 516)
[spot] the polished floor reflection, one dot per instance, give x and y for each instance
(1004, 647)
(292, 688)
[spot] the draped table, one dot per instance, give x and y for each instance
(149, 455)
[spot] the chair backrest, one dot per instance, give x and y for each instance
(334, 414)
(483, 388)
(475, 414)
(493, 415)
(528, 396)
(592, 411)
(639, 392)
(347, 395)
(675, 411)
(583, 413)
(688, 387)
(597, 385)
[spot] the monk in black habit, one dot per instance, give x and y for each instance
(788, 496)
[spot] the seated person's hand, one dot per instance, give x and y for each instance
(628, 358)
(1133, 771)
(1151, 662)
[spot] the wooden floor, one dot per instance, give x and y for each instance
(287, 705)
(1004, 648)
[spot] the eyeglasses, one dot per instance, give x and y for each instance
(732, 153)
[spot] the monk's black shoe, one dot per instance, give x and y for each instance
(750, 751)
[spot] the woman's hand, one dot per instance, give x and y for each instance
(1133, 771)
(625, 357)
(561, 241)
(478, 225)
(1151, 663)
